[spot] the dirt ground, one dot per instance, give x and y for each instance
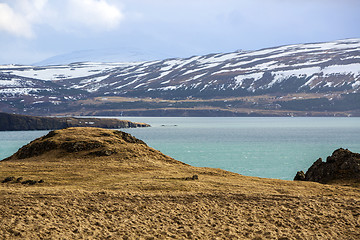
(77, 214)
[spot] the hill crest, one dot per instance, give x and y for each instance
(89, 143)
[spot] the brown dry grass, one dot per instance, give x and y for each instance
(139, 193)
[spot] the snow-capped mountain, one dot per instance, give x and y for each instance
(309, 67)
(122, 54)
(302, 68)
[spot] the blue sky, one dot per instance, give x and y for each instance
(33, 30)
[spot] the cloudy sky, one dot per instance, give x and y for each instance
(33, 30)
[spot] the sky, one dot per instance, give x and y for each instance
(34, 30)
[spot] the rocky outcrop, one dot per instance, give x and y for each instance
(300, 176)
(19, 180)
(342, 165)
(14, 122)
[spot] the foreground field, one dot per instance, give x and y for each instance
(103, 184)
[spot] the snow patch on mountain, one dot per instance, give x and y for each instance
(22, 91)
(353, 69)
(239, 80)
(11, 83)
(355, 84)
(61, 72)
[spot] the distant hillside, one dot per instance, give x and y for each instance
(302, 79)
(124, 54)
(14, 122)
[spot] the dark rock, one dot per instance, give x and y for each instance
(36, 149)
(8, 179)
(128, 138)
(80, 146)
(195, 177)
(102, 153)
(30, 182)
(341, 165)
(300, 176)
(49, 135)
(19, 179)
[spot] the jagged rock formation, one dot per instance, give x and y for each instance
(14, 122)
(342, 165)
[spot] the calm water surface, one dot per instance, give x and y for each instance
(263, 147)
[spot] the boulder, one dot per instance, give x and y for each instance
(8, 179)
(300, 176)
(341, 165)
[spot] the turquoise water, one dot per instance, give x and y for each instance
(263, 147)
(11, 141)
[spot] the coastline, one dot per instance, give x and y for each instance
(265, 147)
(16, 122)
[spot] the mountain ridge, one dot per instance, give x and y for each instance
(329, 69)
(106, 55)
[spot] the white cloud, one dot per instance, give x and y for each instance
(94, 13)
(19, 17)
(31, 9)
(14, 23)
